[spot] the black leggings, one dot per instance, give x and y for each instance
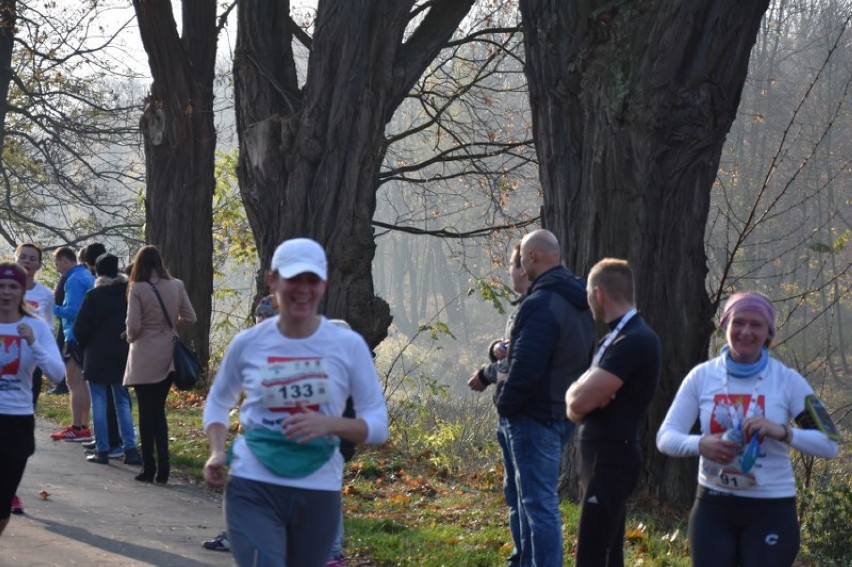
(17, 444)
(731, 531)
(153, 429)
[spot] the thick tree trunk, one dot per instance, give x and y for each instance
(309, 158)
(180, 142)
(631, 104)
(8, 17)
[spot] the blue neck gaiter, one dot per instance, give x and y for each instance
(745, 370)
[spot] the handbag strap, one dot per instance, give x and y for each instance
(162, 305)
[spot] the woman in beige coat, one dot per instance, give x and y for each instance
(149, 364)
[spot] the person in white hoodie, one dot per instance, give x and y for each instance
(282, 500)
(746, 402)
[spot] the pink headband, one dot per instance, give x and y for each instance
(13, 272)
(749, 301)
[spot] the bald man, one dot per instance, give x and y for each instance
(550, 346)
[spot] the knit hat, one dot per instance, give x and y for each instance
(749, 301)
(12, 271)
(106, 265)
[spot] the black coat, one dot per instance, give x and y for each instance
(98, 331)
(550, 346)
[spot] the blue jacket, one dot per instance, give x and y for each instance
(77, 282)
(550, 346)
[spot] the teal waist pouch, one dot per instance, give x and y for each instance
(287, 458)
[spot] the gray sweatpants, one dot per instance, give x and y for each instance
(275, 526)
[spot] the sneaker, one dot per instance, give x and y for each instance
(116, 453)
(56, 436)
(218, 543)
(17, 505)
(132, 457)
(89, 445)
(78, 435)
(101, 457)
(72, 434)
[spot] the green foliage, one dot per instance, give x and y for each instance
(435, 330)
(825, 511)
(833, 247)
(491, 290)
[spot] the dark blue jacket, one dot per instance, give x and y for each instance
(550, 346)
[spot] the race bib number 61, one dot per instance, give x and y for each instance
(292, 383)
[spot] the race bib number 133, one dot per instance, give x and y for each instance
(291, 383)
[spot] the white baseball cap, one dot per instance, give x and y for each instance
(299, 255)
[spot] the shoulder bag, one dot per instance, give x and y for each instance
(187, 365)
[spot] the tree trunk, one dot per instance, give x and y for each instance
(631, 104)
(180, 143)
(8, 17)
(309, 158)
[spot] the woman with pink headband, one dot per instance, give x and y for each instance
(25, 342)
(752, 409)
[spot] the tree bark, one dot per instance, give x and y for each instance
(180, 142)
(631, 104)
(8, 17)
(310, 157)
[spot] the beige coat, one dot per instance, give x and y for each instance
(151, 347)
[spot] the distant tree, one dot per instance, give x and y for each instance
(67, 171)
(180, 143)
(310, 155)
(631, 104)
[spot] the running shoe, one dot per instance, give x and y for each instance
(61, 433)
(17, 505)
(218, 543)
(101, 458)
(72, 434)
(90, 445)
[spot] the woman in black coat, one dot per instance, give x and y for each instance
(99, 329)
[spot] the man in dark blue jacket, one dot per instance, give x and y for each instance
(550, 346)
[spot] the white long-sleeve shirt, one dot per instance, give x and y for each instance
(780, 394)
(344, 366)
(41, 300)
(18, 360)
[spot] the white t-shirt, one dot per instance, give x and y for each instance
(340, 365)
(18, 361)
(780, 394)
(40, 299)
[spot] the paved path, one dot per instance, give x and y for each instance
(98, 515)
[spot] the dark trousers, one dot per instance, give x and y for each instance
(608, 473)
(17, 443)
(112, 422)
(153, 429)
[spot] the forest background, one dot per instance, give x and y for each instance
(458, 182)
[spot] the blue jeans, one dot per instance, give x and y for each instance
(122, 412)
(536, 448)
(510, 491)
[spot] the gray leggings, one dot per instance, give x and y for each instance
(275, 526)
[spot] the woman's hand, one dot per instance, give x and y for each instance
(26, 333)
(214, 470)
(307, 425)
(716, 449)
(762, 427)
